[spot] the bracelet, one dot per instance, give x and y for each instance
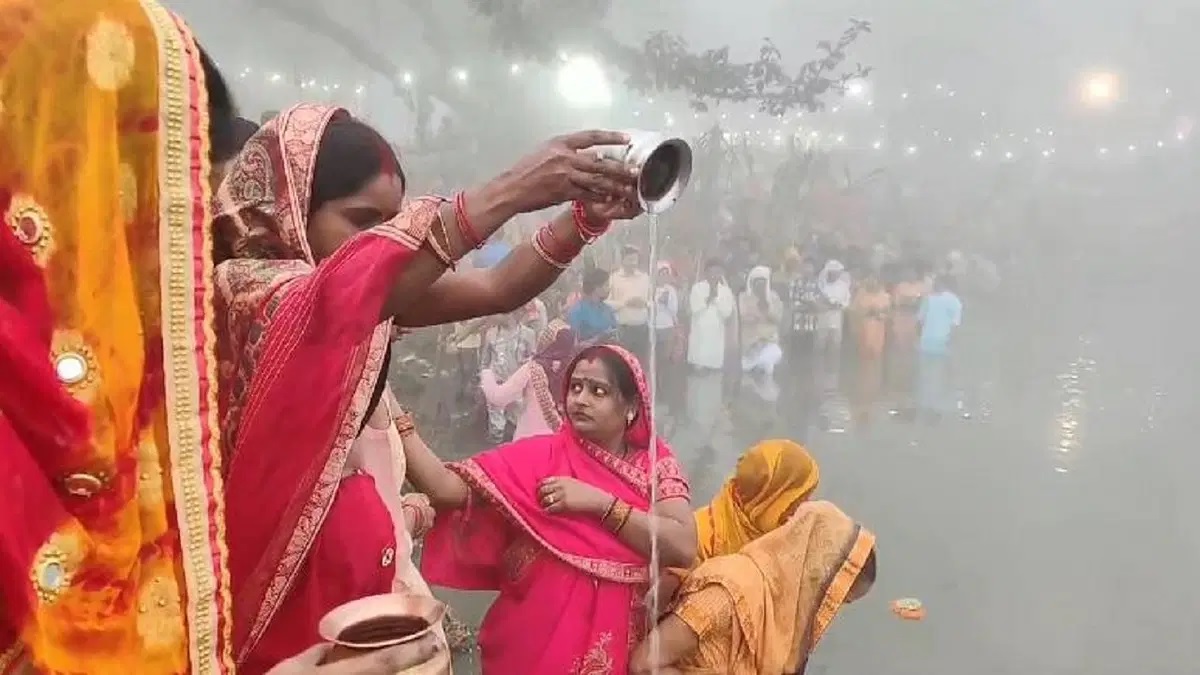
(404, 424)
(617, 516)
(441, 249)
(465, 228)
(421, 510)
(548, 247)
(608, 511)
(588, 230)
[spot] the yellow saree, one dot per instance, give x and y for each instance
(111, 534)
(763, 610)
(770, 480)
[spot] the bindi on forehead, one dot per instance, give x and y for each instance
(591, 370)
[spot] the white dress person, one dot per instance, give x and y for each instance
(710, 312)
(834, 284)
(761, 311)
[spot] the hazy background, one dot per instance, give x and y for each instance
(1052, 533)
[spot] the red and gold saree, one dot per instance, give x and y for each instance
(301, 352)
(111, 533)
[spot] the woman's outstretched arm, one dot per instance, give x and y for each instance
(509, 285)
(425, 294)
(427, 473)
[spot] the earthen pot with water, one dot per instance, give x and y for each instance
(381, 621)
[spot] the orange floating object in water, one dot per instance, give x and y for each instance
(909, 609)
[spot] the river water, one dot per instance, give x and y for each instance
(1050, 528)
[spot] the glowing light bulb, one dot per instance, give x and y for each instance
(583, 83)
(461, 75)
(1100, 89)
(407, 78)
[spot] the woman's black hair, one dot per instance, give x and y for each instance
(618, 370)
(593, 279)
(243, 129)
(351, 155)
(221, 112)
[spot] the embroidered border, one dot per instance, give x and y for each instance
(317, 507)
(185, 240)
(623, 573)
(541, 389)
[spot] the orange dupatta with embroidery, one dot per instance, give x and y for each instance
(111, 552)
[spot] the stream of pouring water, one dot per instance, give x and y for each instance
(652, 378)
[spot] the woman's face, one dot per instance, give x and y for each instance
(594, 404)
(339, 219)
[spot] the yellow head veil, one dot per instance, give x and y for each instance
(112, 557)
(771, 478)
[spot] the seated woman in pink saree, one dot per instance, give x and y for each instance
(561, 525)
(535, 383)
(315, 259)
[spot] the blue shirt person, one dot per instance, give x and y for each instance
(941, 313)
(591, 317)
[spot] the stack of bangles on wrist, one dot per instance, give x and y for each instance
(405, 425)
(616, 516)
(552, 249)
(589, 230)
(560, 253)
(442, 247)
(421, 513)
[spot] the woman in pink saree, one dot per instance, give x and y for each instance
(560, 525)
(315, 259)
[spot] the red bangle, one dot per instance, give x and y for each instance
(470, 238)
(589, 230)
(553, 251)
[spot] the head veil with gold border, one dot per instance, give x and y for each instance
(288, 327)
(111, 546)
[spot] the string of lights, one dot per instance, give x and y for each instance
(852, 123)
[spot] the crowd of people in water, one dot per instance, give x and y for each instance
(196, 326)
(875, 331)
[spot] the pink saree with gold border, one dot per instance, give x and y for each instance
(571, 593)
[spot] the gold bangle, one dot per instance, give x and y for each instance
(441, 249)
(617, 516)
(544, 254)
(404, 424)
(608, 511)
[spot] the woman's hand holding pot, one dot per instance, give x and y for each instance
(562, 170)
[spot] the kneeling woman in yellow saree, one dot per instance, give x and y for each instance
(763, 610)
(771, 480)
(111, 559)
